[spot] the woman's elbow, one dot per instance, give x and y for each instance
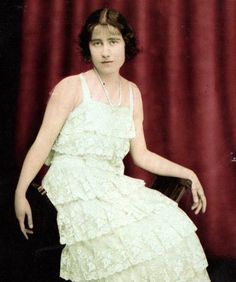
(139, 157)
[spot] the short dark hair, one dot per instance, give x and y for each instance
(111, 17)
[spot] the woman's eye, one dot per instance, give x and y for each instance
(113, 42)
(96, 43)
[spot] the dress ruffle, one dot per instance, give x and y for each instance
(92, 206)
(120, 125)
(135, 254)
(81, 136)
(85, 179)
(112, 223)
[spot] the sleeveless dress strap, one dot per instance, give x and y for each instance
(85, 89)
(131, 99)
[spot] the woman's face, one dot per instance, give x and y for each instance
(107, 49)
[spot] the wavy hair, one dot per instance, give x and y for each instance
(111, 17)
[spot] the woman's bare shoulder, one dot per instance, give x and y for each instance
(67, 82)
(137, 99)
(69, 89)
(136, 91)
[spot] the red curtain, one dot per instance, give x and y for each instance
(186, 73)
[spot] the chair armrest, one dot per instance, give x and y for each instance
(172, 187)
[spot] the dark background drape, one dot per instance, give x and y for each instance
(186, 73)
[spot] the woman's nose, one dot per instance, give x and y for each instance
(106, 51)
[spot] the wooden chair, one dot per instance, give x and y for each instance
(45, 240)
(172, 187)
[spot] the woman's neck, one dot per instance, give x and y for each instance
(108, 78)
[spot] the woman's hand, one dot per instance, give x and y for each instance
(199, 199)
(22, 209)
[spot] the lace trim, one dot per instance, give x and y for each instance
(89, 131)
(87, 143)
(99, 202)
(92, 219)
(84, 183)
(94, 117)
(133, 253)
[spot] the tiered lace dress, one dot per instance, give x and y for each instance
(114, 228)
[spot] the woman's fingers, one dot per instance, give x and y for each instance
(195, 197)
(25, 230)
(29, 231)
(22, 227)
(24, 215)
(21, 220)
(202, 198)
(203, 201)
(199, 201)
(199, 207)
(29, 218)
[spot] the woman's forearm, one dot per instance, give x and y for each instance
(161, 166)
(33, 162)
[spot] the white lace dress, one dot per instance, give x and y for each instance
(114, 228)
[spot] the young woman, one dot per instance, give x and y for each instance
(114, 228)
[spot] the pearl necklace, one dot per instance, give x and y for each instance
(106, 91)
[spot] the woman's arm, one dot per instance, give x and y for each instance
(60, 104)
(156, 164)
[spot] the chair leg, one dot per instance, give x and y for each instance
(46, 265)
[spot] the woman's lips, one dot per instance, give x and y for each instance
(107, 62)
